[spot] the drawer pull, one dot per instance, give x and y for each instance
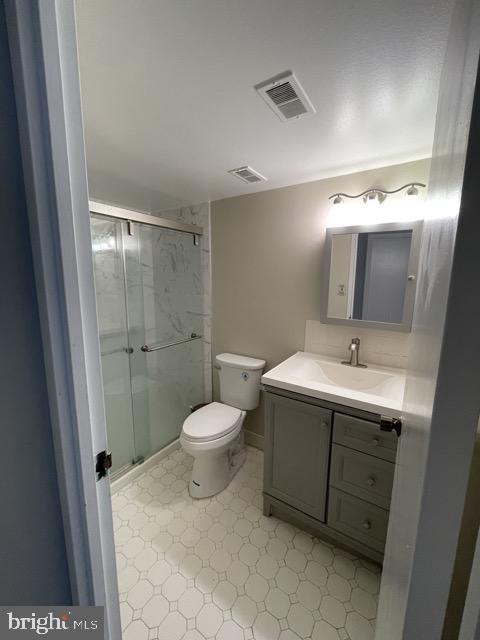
(375, 442)
(367, 525)
(372, 481)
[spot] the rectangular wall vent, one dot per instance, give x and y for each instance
(285, 96)
(247, 174)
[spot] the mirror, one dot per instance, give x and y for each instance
(370, 276)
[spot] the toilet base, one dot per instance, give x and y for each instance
(213, 473)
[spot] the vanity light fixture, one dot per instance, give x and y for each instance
(375, 197)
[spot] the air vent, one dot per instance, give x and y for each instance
(285, 96)
(247, 174)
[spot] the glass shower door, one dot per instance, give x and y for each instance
(149, 294)
(171, 286)
(109, 269)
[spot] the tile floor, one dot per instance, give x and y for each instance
(217, 568)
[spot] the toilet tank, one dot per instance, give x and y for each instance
(239, 380)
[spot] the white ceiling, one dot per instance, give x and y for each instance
(169, 104)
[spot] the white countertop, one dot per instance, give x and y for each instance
(375, 389)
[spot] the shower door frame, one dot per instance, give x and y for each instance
(132, 216)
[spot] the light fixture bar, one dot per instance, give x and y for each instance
(383, 193)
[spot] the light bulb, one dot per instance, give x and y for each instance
(412, 192)
(372, 199)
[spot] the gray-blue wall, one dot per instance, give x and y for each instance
(33, 563)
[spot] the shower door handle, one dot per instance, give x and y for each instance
(146, 349)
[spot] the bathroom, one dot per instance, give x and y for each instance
(256, 244)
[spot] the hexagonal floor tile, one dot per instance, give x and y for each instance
(266, 627)
(324, 631)
(140, 594)
(174, 586)
(316, 573)
(287, 580)
(322, 554)
(364, 603)
(159, 572)
(190, 602)
(267, 566)
(127, 578)
(344, 566)
(136, 630)
(249, 554)
(229, 631)
(300, 620)
(173, 627)
(237, 573)
(339, 587)
(126, 614)
(244, 611)
(232, 543)
(206, 580)
(155, 611)
(145, 559)
(296, 560)
(309, 595)
(333, 611)
(220, 560)
(256, 587)
(358, 628)
(209, 620)
(277, 603)
(224, 595)
(277, 549)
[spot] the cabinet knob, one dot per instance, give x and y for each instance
(371, 481)
(375, 442)
(367, 525)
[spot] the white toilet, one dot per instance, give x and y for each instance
(213, 434)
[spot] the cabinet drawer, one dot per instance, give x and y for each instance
(365, 436)
(362, 475)
(358, 519)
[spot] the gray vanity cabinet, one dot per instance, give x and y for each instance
(297, 446)
(329, 469)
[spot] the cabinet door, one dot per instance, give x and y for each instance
(297, 442)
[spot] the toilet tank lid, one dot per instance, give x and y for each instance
(240, 362)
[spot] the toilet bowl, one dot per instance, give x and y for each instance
(213, 434)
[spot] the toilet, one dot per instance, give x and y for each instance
(213, 434)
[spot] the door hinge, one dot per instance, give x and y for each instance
(103, 464)
(391, 424)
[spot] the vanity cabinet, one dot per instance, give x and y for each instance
(329, 469)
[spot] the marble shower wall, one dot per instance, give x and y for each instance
(200, 215)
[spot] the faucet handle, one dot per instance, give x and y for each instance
(356, 341)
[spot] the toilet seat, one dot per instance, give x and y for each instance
(211, 422)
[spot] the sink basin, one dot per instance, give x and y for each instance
(375, 389)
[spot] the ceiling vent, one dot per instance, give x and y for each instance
(285, 96)
(247, 174)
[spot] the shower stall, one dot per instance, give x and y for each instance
(150, 308)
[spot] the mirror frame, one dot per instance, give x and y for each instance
(405, 325)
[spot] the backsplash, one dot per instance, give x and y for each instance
(386, 348)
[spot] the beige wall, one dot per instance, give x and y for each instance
(267, 258)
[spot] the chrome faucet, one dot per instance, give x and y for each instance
(354, 348)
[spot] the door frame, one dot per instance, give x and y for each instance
(44, 56)
(42, 41)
